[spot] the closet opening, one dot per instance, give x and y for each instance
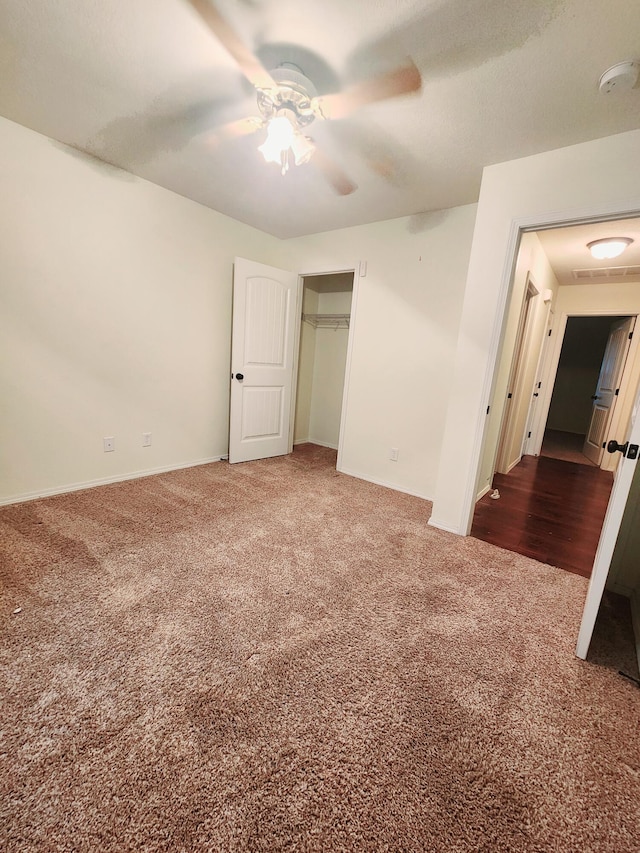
(322, 359)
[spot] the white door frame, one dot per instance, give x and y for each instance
(355, 268)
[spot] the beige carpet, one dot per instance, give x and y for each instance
(566, 446)
(273, 656)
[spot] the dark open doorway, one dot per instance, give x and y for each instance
(574, 410)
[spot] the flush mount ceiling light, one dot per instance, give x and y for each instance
(610, 247)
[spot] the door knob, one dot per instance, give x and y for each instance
(613, 446)
(239, 375)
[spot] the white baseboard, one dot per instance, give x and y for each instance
(323, 443)
(634, 600)
(483, 492)
(435, 523)
(316, 441)
(104, 481)
(383, 483)
(513, 464)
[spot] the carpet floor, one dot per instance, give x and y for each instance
(566, 446)
(274, 656)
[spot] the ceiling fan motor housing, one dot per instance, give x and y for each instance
(295, 92)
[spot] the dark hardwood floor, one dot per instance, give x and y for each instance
(548, 509)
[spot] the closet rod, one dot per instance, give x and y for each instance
(327, 321)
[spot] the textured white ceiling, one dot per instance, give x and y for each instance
(139, 83)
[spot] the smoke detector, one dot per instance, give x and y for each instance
(620, 77)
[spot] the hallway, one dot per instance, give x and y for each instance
(549, 509)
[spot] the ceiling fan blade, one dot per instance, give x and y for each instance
(235, 129)
(249, 64)
(402, 81)
(333, 173)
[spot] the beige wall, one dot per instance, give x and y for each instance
(596, 178)
(404, 328)
(115, 319)
(328, 372)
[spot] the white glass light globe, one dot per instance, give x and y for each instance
(608, 248)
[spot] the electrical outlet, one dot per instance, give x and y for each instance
(146, 439)
(108, 443)
(393, 456)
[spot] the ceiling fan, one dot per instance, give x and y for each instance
(288, 102)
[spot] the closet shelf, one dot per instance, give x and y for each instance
(327, 321)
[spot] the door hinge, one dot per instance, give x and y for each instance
(539, 384)
(509, 395)
(488, 407)
(549, 333)
(529, 435)
(630, 336)
(617, 392)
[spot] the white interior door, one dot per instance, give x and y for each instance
(535, 425)
(609, 535)
(615, 356)
(510, 445)
(265, 328)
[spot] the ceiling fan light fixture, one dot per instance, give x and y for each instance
(280, 135)
(285, 140)
(609, 247)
